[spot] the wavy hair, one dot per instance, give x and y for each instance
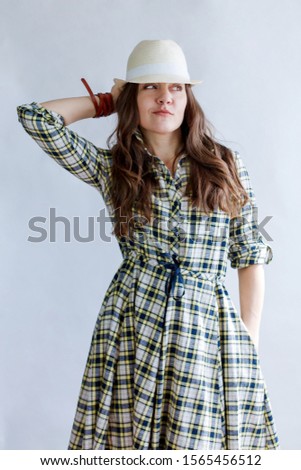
(213, 180)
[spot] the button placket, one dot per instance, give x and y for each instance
(175, 204)
(170, 185)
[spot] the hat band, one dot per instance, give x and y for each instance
(157, 69)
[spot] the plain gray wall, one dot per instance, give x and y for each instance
(248, 54)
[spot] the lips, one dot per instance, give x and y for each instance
(163, 112)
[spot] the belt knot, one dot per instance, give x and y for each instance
(175, 284)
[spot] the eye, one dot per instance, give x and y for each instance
(177, 87)
(149, 86)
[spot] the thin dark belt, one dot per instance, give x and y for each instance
(175, 284)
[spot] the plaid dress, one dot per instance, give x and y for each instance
(171, 363)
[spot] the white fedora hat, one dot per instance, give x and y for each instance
(157, 61)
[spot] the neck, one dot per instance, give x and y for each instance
(165, 146)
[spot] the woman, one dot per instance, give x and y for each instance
(172, 365)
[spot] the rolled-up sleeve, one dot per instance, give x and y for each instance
(74, 153)
(246, 244)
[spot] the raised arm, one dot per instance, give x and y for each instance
(75, 109)
(46, 123)
(72, 109)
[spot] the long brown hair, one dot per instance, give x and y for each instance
(213, 180)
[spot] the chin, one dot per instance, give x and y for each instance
(164, 130)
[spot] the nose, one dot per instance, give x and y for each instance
(164, 96)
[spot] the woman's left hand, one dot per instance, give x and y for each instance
(116, 90)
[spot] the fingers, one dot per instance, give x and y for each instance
(116, 88)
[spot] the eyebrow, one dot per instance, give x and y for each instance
(158, 83)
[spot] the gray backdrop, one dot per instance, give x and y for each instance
(248, 54)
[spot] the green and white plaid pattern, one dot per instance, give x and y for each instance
(171, 364)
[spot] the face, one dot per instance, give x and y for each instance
(161, 107)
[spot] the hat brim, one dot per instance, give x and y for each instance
(155, 79)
